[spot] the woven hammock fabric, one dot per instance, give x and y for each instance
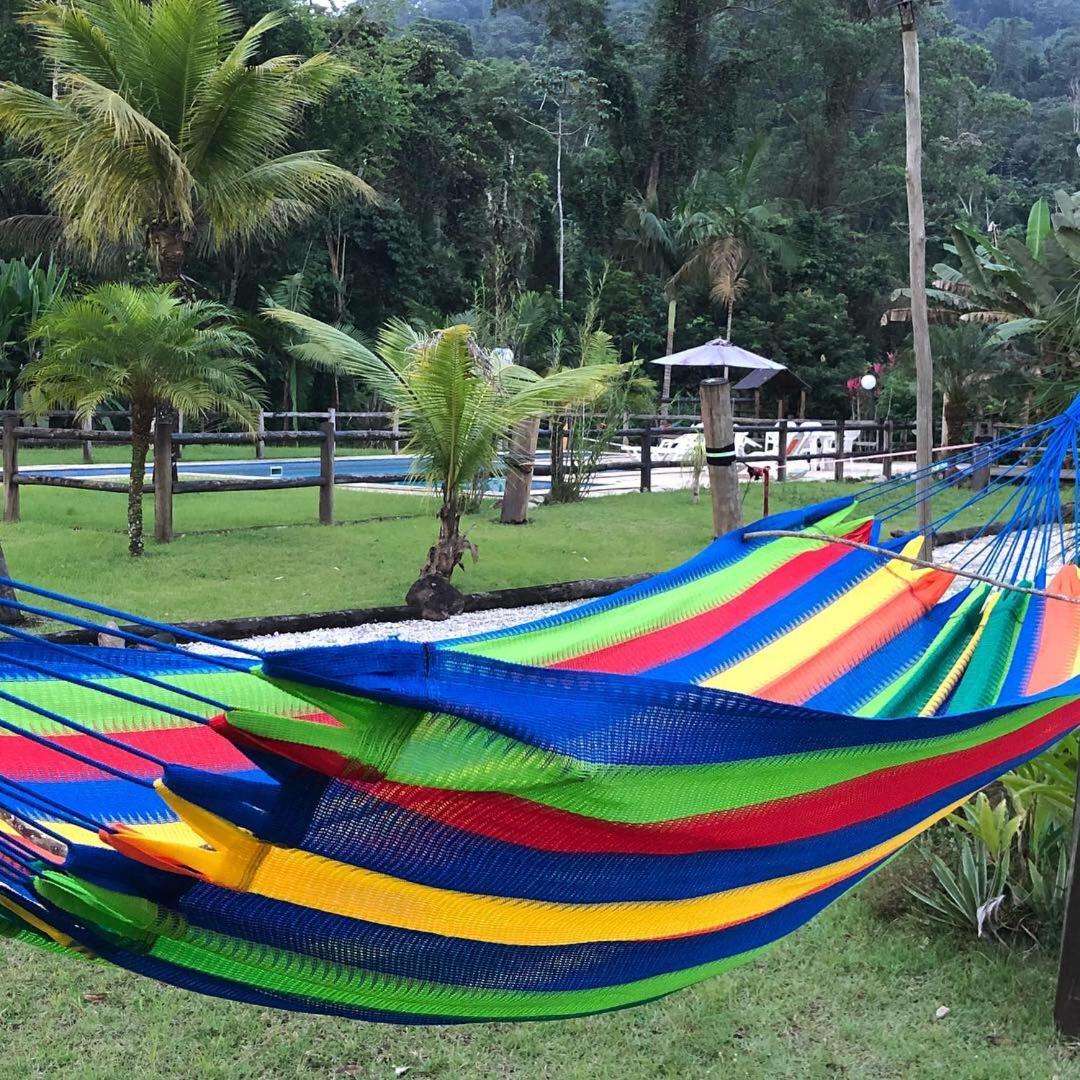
(582, 814)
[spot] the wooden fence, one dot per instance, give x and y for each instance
(880, 438)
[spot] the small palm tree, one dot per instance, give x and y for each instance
(149, 348)
(455, 399)
(165, 133)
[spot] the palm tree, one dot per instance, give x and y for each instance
(165, 133)
(455, 399)
(147, 347)
(729, 233)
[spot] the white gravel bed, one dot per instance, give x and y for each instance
(473, 622)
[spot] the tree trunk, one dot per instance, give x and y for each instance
(170, 245)
(559, 208)
(730, 316)
(955, 420)
(665, 394)
(447, 553)
(920, 322)
(141, 416)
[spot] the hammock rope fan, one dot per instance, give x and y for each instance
(583, 813)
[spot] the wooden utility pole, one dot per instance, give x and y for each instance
(920, 320)
(719, 425)
(520, 462)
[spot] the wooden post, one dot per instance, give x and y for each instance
(520, 460)
(87, 424)
(260, 442)
(395, 427)
(719, 427)
(887, 431)
(326, 474)
(838, 461)
(646, 457)
(920, 320)
(163, 481)
(11, 469)
(781, 451)
(802, 404)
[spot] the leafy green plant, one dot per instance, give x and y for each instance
(967, 898)
(27, 291)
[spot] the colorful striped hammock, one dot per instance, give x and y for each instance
(580, 814)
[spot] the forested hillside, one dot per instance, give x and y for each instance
(645, 122)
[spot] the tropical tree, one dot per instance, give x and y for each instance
(455, 399)
(164, 130)
(27, 291)
(968, 361)
(729, 233)
(146, 347)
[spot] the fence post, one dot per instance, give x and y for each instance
(395, 428)
(163, 481)
(520, 460)
(719, 425)
(781, 451)
(87, 446)
(838, 461)
(260, 442)
(11, 469)
(887, 433)
(646, 457)
(326, 474)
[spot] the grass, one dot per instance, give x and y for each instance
(254, 553)
(847, 996)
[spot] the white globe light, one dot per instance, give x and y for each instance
(868, 381)
(502, 356)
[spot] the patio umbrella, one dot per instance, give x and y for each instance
(719, 353)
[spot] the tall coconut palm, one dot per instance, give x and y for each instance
(456, 400)
(147, 347)
(729, 232)
(165, 132)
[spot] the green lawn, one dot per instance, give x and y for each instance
(253, 553)
(848, 996)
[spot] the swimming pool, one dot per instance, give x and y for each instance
(273, 468)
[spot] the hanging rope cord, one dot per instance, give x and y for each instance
(774, 534)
